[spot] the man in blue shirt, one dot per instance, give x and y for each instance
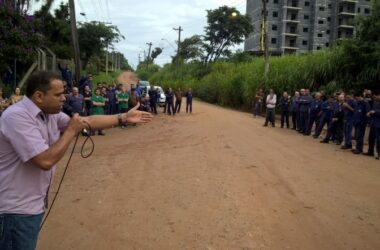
(304, 102)
(75, 102)
(67, 75)
(170, 102)
(327, 109)
(315, 113)
(375, 115)
(189, 101)
(295, 110)
(348, 107)
(335, 129)
(285, 106)
(360, 122)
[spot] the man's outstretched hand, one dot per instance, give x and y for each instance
(137, 116)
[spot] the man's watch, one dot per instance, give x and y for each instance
(120, 119)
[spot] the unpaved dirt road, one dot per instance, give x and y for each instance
(215, 179)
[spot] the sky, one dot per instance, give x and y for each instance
(144, 21)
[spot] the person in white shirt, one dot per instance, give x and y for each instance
(271, 104)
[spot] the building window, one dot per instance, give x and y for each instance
(293, 16)
(327, 31)
(320, 35)
(305, 29)
(273, 40)
(367, 11)
(292, 43)
(327, 45)
(275, 14)
(320, 21)
(304, 42)
(293, 30)
(274, 27)
(329, 6)
(328, 19)
(319, 48)
(321, 8)
(306, 17)
(275, 1)
(358, 10)
(307, 3)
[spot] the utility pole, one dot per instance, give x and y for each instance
(107, 59)
(179, 29)
(264, 30)
(148, 58)
(139, 58)
(113, 61)
(74, 37)
(119, 61)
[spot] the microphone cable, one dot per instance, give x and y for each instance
(88, 138)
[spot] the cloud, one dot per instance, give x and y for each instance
(142, 21)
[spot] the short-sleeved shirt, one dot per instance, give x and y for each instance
(123, 104)
(25, 132)
(97, 110)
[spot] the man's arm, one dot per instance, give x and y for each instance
(105, 121)
(47, 159)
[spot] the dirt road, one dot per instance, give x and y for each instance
(215, 179)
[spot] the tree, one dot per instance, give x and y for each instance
(226, 27)
(360, 57)
(56, 29)
(190, 48)
(19, 35)
(95, 37)
(145, 71)
(155, 53)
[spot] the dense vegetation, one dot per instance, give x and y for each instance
(351, 65)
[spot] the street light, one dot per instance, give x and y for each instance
(264, 35)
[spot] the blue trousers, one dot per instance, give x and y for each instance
(189, 106)
(304, 117)
(377, 136)
(359, 136)
(322, 122)
(348, 125)
(19, 231)
(285, 118)
(312, 119)
(335, 132)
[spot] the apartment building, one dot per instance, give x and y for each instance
(301, 26)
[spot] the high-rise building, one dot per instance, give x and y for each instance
(300, 26)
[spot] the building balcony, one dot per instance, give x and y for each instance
(288, 47)
(295, 21)
(348, 1)
(291, 34)
(290, 7)
(346, 13)
(346, 26)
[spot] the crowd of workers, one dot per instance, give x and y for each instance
(345, 116)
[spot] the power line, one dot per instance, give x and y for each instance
(108, 11)
(101, 9)
(95, 9)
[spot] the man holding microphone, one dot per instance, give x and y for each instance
(34, 136)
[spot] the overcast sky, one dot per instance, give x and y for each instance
(143, 21)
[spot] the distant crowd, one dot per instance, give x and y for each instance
(86, 98)
(345, 116)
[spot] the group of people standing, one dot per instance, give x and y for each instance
(346, 116)
(171, 107)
